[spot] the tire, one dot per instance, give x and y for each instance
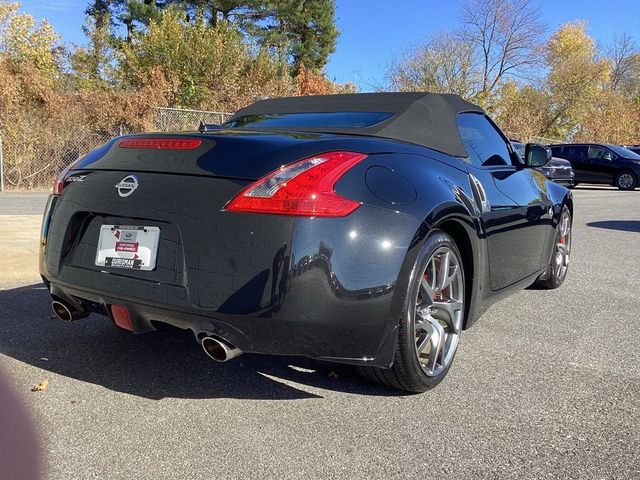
(626, 180)
(556, 272)
(431, 320)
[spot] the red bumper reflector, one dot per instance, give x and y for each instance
(161, 143)
(121, 317)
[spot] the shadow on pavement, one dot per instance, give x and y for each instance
(622, 225)
(166, 363)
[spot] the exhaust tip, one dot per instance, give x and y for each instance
(219, 351)
(61, 311)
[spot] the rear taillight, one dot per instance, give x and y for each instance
(161, 143)
(59, 184)
(62, 177)
(304, 188)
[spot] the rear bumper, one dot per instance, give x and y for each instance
(327, 338)
(321, 288)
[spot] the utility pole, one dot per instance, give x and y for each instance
(1, 166)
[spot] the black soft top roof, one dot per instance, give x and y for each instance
(427, 119)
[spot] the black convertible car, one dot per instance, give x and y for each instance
(368, 229)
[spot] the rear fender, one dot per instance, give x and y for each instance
(559, 196)
(458, 222)
(443, 201)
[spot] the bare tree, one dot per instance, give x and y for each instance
(445, 64)
(624, 56)
(508, 35)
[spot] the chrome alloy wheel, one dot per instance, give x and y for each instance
(439, 311)
(625, 180)
(563, 247)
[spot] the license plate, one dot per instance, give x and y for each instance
(128, 246)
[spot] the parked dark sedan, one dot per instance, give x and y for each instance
(368, 229)
(601, 163)
(556, 169)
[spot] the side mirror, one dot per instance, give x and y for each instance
(536, 155)
(607, 156)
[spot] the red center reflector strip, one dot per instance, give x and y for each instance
(121, 317)
(161, 143)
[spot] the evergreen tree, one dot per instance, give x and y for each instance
(301, 32)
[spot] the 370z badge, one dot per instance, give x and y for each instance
(127, 185)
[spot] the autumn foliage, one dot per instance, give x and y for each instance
(564, 87)
(307, 82)
(57, 102)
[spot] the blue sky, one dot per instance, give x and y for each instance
(373, 31)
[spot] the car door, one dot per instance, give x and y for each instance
(601, 165)
(515, 209)
(577, 156)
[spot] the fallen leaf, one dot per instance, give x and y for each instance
(41, 387)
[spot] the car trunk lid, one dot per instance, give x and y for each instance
(227, 153)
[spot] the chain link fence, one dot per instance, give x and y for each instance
(177, 120)
(33, 164)
(519, 137)
(32, 161)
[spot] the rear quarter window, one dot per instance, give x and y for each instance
(484, 145)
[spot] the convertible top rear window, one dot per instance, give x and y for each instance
(427, 119)
(308, 119)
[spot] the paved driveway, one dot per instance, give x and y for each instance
(546, 385)
(20, 219)
(31, 203)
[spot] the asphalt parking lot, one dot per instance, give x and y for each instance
(545, 385)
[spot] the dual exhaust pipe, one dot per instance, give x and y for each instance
(66, 311)
(215, 348)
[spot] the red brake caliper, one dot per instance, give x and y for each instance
(437, 296)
